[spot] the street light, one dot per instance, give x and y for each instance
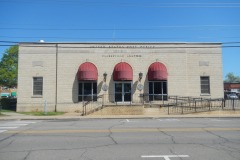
(104, 76)
(140, 75)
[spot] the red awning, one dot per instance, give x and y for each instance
(87, 72)
(157, 71)
(122, 72)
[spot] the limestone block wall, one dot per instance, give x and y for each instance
(36, 61)
(206, 61)
(58, 65)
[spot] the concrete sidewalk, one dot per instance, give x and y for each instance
(216, 114)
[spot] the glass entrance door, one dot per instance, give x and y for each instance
(123, 92)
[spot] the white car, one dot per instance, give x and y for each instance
(232, 96)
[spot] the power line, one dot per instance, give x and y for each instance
(237, 26)
(132, 4)
(9, 42)
(117, 38)
(96, 42)
(36, 44)
(108, 38)
(132, 27)
(13, 43)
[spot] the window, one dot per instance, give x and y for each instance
(205, 85)
(157, 90)
(37, 86)
(87, 91)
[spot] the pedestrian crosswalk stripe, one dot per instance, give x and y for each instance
(7, 127)
(13, 125)
(169, 120)
(166, 157)
(220, 120)
(28, 122)
(2, 131)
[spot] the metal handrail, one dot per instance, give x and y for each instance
(174, 104)
(88, 102)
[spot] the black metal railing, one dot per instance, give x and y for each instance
(195, 106)
(92, 105)
(184, 105)
(171, 104)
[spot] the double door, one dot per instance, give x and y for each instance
(123, 92)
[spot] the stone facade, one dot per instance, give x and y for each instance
(58, 64)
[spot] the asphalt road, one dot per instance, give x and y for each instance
(121, 139)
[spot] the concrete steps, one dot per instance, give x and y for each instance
(120, 110)
(155, 111)
(129, 110)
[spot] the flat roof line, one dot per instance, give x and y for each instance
(123, 43)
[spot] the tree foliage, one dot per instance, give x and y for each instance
(231, 78)
(9, 67)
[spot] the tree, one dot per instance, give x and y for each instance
(230, 78)
(9, 67)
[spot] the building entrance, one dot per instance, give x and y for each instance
(123, 92)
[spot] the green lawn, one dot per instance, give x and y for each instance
(34, 113)
(4, 110)
(42, 113)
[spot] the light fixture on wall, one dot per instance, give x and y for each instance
(140, 76)
(104, 76)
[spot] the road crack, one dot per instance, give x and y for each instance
(26, 157)
(171, 136)
(111, 133)
(83, 155)
(222, 145)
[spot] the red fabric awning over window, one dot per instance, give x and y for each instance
(157, 71)
(123, 72)
(87, 72)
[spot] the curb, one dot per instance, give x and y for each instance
(115, 117)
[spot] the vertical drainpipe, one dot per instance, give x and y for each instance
(56, 77)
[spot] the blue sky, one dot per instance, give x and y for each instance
(124, 21)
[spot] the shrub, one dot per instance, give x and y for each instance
(8, 103)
